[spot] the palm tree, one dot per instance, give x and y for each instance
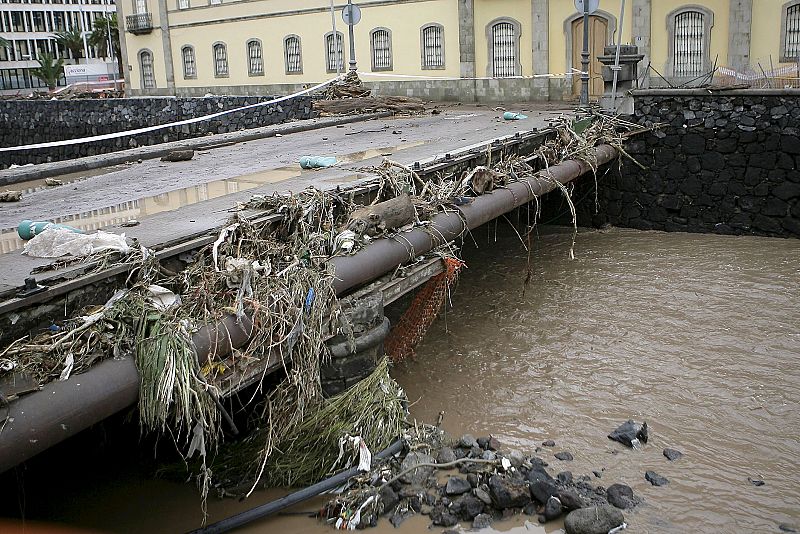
(72, 40)
(49, 69)
(99, 37)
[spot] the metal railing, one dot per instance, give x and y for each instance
(139, 23)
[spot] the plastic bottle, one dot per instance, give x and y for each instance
(317, 162)
(28, 229)
(512, 116)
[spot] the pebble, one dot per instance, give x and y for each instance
(549, 443)
(756, 481)
(656, 479)
(672, 454)
(621, 496)
(564, 456)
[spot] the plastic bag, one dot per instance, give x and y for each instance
(56, 242)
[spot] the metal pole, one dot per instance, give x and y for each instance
(352, 41)
(83, 34)
(616, 59)
(336, 44)
(585, 57)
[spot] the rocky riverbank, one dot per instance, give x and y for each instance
(477, 482)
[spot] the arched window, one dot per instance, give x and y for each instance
(503, 37)
(293, 54)
(790, 31)
(255, 58)
(148, 73)
(220, 60)
(334, 56)
(381, 44)
(432, 45)
(689, 31)
(189, 63)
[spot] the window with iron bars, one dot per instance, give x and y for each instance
(432, 47)
(220, 60)
(294, 58)
(791, 31)
(689, 44)
(333, 52)
(183, 4)
(381, 49)
(255, 59)
(148, 74)
(504, 50)
(189, 64)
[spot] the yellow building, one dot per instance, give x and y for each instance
(446, 49)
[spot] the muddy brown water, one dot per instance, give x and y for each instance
(699, 335)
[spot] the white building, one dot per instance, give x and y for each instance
(29, 27)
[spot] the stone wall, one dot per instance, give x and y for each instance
(724, 162)
(37, 121)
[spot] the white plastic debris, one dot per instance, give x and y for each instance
(345, 241)
(55, 242)
(620, 528)
(162, 298)
(69, 363)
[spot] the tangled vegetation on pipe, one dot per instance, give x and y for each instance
(275, 271)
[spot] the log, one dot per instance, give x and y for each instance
(377, 219)
(179, 155)
(398, 104)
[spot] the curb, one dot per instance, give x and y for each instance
(56, 168)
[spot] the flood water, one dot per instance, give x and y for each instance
(699, 335)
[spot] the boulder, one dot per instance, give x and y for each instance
(571, 500)
(507, 493)
(481, 521)
(468, 441)
(467, 507)
(621, 496)
(553, 509)
(628, 431)
(564, 456)
(389, 499)
(543, 490)
(672, 454)
(420, 474)
(445, 456)
(655, 479)
(457, 486)
(594, 520)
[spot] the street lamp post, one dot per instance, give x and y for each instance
(352, 41)
(585, 57)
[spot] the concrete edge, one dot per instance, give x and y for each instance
(716, 92)
(86, 163)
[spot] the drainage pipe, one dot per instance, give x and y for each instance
(40, 420)
(273, 507)
(383, 255)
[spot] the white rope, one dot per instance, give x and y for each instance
(161, 126)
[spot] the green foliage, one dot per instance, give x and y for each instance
(72, 40)
(99, 36)
(49, 69)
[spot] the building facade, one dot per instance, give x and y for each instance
(446, 49)
(29, 27)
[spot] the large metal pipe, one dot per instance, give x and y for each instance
(61, 409)
(40, 420)
(380, 257)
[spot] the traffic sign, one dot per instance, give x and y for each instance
(592, 5)
(351, 14)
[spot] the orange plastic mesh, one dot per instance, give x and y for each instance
(418, 318)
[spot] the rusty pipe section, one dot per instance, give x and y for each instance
(40, 420)
(383, 255)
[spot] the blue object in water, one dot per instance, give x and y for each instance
(511, 116)
(28, 229)
(317, 162)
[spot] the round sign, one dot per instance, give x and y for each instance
(591, 5)
(351, 14)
